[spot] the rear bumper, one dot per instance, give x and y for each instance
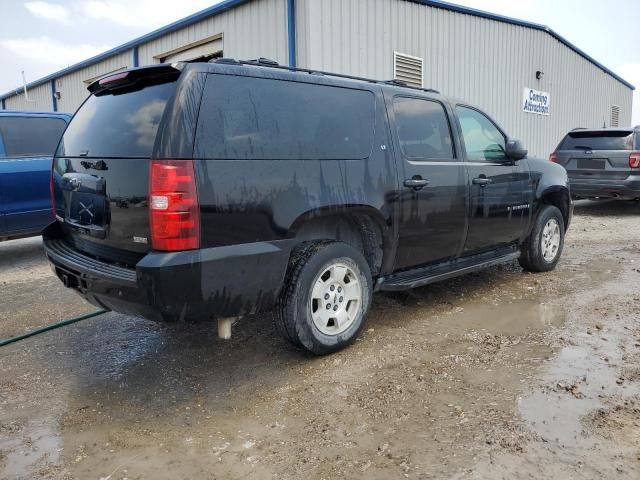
(208, 283)
(627, 188)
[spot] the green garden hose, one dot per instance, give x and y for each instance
(51, 326)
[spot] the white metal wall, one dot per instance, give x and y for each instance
(73, 86)
(485, 62)
(251, 30)
(39, 99)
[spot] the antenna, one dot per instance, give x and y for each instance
(24, 88)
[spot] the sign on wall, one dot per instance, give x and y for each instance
(535, 101)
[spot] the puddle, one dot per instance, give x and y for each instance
(516, 318)
(126, 349)
(575, 383)
(38, 445)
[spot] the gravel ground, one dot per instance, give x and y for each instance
(498, 374)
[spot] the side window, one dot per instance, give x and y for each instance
(422, 128)
(482, 139)
(260, 119)
(30, 136)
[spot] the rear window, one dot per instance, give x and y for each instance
(120, 124)
(255, 119)
(622, 140)
(423, 128)
(30, 136)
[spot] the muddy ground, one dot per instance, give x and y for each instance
(499, 374)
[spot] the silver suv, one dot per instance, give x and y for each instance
(601, 163)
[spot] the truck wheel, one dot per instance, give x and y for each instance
(541, 251)
(326, 297)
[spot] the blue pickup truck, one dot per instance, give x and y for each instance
(27, 143)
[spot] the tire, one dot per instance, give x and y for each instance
(318, 273)
(541, 251)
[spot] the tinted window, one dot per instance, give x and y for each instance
(117, 125)
(423, 129)
(30, 136)
(482, 139)
(622, 140)
(252, 118)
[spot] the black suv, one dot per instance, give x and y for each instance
(216, 190)
(601, 163)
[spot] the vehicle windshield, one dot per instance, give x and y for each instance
(614, 140)
(117, 124)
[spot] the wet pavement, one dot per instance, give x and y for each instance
(497, 374)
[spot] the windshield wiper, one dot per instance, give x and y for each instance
(583, 147)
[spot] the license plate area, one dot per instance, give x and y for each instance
(71, 279)
(592, 164)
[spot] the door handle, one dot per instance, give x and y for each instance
(482, 181)
(416, 183)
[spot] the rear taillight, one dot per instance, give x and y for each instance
(553, 157)
(174, 214)
(634, 159)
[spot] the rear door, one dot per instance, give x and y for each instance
(101, 169)
(596, 155)
(433, 191)
(29, 143)
(500, 188)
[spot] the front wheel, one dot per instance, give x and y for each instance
(326, 297)
(541, 251)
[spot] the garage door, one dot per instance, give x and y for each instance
(201, 50)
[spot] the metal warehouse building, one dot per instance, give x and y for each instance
(535, 83)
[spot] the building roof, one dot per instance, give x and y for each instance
(229, 4)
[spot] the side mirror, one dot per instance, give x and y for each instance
(515, 150)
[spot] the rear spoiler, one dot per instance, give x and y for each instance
(608, 132)
(136, 77)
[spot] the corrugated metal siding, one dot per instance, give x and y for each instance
(303, 33)
(255, 29)
(485, 62)
(39, 100)
(72, 87)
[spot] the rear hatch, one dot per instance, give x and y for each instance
(101, 169)
(596, 154)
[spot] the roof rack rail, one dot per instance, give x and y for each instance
(225, 60)
(402, 83)
(265, 62)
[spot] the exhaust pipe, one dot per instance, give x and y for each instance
(224, 327)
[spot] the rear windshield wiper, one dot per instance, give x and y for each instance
(582, 147)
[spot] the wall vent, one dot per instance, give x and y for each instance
(408, 69)
(614, 117)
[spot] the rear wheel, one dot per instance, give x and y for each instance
(541, 251)
(326, 297)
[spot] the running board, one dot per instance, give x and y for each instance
(423, 276)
